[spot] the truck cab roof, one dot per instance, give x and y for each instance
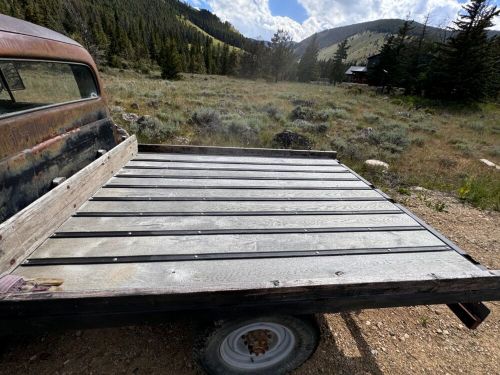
(16, 26)
(25, 40)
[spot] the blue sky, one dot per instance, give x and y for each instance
(290, 8)
(261, 18)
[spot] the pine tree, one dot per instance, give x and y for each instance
(338, 66)
(281, 55)
(493, 89)
(308, 68)
(169, 61)
(463, 68)
(224, 60)
(233, 63)
(391, 68)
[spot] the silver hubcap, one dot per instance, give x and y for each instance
(257, 345)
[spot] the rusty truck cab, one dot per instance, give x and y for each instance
(53, 114)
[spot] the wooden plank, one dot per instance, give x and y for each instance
(235, 206)
(226, 194)
(23, 232)
(233, 159)
(236, 151)
(207, 183)
(234, 174)
(226, 275)
(233, 167)
(121, 246)
(91, 224)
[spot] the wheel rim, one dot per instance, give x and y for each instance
(257, 345)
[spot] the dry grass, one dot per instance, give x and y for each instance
(437, 148)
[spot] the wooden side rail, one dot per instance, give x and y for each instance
(24, 232)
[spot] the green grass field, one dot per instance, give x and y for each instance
(433, 147)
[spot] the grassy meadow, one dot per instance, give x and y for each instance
(433, 147)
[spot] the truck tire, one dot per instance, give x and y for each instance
(263, 345)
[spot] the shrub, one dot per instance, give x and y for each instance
(477, 127)
(302, 102)
(494, 150)
(309, 114)
(242, 129)
(418, 141)
(464, 148)
(290, 139)
(347, 149)
(481, 191)
(272, 112)
(207, 119)
(310, 127)
(371, 118)
(339, 113)
(153, 129)
(423, 127)
(303, 113)
(393, 138)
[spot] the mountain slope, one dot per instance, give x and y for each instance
(365, 38)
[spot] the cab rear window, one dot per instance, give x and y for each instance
(27, 85)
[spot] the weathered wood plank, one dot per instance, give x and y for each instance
(234, 174)
(92, 224)
(236, 193)
(234, 159)
(193, 277)
(121, 246)
(211, 206)
(233, 167)
(237, 151)
(23, 232)
(234, 183)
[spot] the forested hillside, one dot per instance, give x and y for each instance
(138, 32)
(366, 38)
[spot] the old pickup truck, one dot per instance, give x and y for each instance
(96, 229)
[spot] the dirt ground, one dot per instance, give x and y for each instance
(417, 340)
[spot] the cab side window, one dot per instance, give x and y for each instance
(26, 85)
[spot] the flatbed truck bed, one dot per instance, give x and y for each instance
(225, 231)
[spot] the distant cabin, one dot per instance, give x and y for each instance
(357, 74)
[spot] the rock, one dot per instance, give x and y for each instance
(445, 332)
(134, 106)
(379, 324)
(489, 163)
(439, 331)
(130, 117)
(374, 352)
(406, 336)
(373, 163)
(368, 323)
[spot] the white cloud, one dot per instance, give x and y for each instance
(254, 19)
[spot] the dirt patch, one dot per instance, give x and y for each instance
(416, 340)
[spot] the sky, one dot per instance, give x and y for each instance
(259, 19)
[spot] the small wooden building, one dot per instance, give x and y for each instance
(357, 74)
